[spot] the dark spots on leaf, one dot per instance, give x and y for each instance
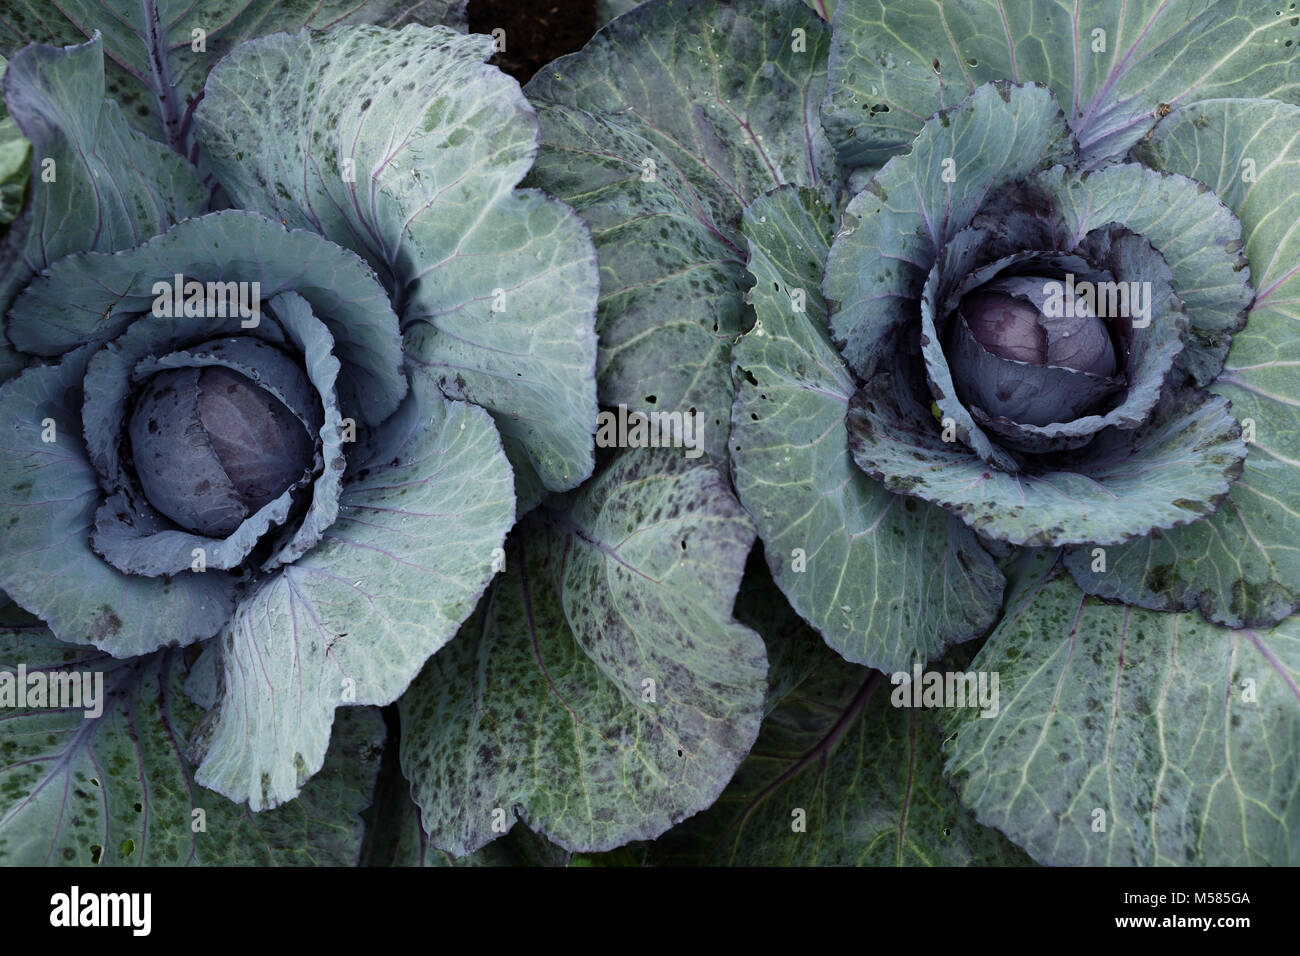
(1163, 579)
(106, 624)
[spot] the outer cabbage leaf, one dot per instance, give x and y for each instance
(1180, 736)
(15, 168)
(602, 692)
(1109, 62)
(1241, 565)
(1173, 470)
(607, 10)
(887, 580)
(111, 188)
(405, 147)
(354, 620)
(160, 50)
(14, 162)
(115, 790)
(659, 132)
(837, 777)
(49, 493)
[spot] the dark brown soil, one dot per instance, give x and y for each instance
(536, 31)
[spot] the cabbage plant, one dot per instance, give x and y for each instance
(301, 416)
(287, 354)
(998, 302)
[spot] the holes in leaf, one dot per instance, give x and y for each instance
(95, 851)
(652, 399)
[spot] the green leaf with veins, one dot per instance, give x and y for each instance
(115, 790)
(602, 691)
(659, 132)
(355, 618)
(1180, 737)
(887, 580)
(15, 152)
(1240, 565)
(111, 187)
(1109, 62)
(159, 51)
(14, 167)
(862, 778)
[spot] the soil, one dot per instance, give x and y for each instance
(536, 31)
